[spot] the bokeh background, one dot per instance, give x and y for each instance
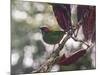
(28, 50)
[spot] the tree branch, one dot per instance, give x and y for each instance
(46, 67)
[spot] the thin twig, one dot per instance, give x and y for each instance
(80, 41)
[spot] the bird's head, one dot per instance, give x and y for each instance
(44, 29)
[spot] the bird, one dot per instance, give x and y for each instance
(51, 37)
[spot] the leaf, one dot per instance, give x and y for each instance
(81, 10)
(63, 15)
(94, 37)
(87, 14)
(72, 58)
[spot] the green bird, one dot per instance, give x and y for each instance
(51, 37)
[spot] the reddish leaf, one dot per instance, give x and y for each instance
(72, 58)
(63, 15)
(87, 14)
(81, 10)
(94, 37)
